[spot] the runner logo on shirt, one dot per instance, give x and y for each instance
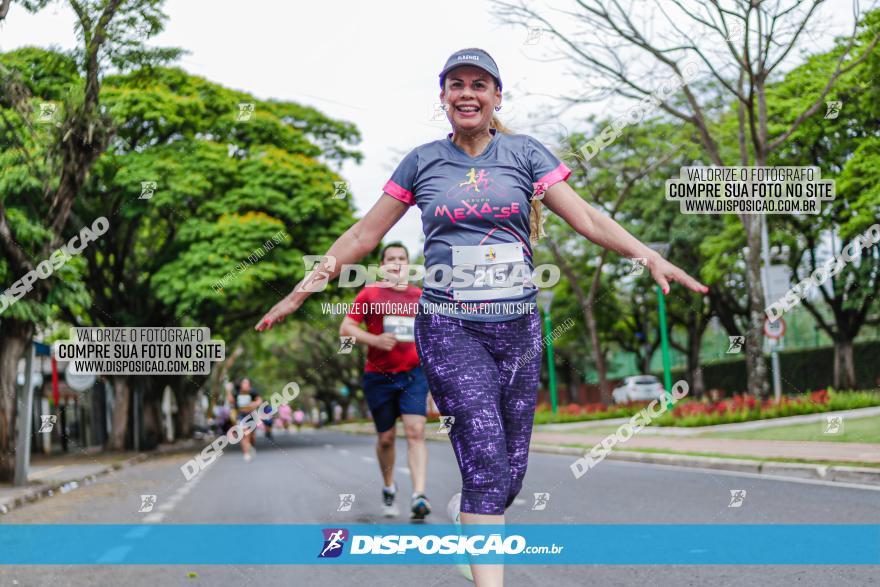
(474, 180)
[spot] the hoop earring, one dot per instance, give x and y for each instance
(497, 108)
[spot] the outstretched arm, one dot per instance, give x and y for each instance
(354, 244)
(605, 232)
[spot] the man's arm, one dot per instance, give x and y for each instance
(350, 327)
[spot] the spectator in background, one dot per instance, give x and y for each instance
(285, 416)
(247, 400)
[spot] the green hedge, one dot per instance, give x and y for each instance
(802, 370)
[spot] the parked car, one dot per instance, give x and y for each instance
(638, 388)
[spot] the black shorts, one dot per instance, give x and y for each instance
(390, 395)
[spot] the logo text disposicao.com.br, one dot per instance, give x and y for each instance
(453, 544)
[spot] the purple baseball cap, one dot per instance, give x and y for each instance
(475, 57)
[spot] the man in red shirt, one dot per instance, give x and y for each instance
(394, 384)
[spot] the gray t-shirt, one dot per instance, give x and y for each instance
(475, 216)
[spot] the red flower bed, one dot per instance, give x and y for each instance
(744, 403)
(734, 405)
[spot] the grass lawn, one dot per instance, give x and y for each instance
(603, 430)
(743, 457)
(854, 430)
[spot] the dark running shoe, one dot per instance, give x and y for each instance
(421, 507)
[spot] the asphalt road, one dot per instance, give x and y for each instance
(297, 479)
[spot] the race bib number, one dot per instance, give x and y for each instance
(488, 272)
(402, 327)
(243, 399)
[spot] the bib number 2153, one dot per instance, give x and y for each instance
(488, 272)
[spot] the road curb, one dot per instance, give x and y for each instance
(841, 474)
(44, 490)
(838, 473)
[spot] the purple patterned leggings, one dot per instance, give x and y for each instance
(486, 375)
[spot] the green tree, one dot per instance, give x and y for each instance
(238, 196)
(53, 120)
(847, 149)
(740, 48)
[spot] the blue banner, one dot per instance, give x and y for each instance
(354, 544)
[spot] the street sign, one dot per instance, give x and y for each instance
(79, 381)
(779, 282)
(775, 329)
(36, 381)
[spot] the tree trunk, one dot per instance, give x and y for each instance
(598, 356)
(345, 403)
(328, 407)
(121, 401)
(698, 384)
(185, 411)
(362, 405)
(758, 384)
(153, 432)
(844, 366)
(572, 378)
(645, 359)
(13, 343)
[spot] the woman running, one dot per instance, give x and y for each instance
(479, 191)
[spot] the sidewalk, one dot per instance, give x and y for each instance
(61, 473)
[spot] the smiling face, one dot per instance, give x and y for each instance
(395, 262)
(471, 96)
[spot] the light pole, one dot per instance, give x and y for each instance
(545, 298)
(663, 248)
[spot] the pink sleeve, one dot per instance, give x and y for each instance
(560, 173)
(399, 193)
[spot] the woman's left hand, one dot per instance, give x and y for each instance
(663, 272)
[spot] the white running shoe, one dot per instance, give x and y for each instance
(453, 510)
(465, 570)
(248, 457)
(389, 508)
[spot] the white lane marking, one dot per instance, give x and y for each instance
(166, 505)
(368, 459)
(345, 451)
(404, 470)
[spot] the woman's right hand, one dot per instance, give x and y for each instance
(277, 313)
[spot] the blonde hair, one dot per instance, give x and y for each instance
(536, 218)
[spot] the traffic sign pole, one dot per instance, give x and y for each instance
(774, 355)
(664, 346)
(25, 417)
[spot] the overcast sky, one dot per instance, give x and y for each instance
(372, 63)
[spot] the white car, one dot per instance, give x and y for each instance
(638, 388)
